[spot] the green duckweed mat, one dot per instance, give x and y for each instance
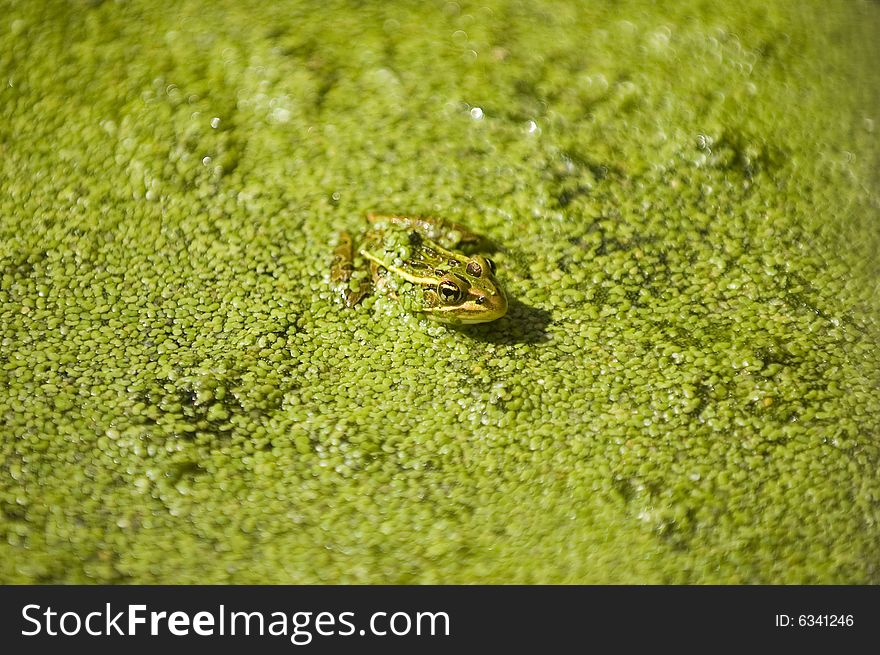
(684, 200)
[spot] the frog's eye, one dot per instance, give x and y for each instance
(449, 292)
(491, 265)
(473, 268)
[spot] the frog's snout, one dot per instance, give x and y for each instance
(492, 306)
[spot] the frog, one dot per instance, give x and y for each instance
(421, 262)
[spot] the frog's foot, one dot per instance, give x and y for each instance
(342, 269)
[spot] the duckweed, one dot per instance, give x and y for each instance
(683, 202)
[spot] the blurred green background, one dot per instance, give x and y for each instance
(684, 197)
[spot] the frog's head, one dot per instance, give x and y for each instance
(467, 293)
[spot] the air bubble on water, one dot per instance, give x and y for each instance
(532, 128)
(459, 37)
(280, 115)
(626, 26)
(215, 122)
(206, 161)
(477, 114)
(599, 81)
(659, 40)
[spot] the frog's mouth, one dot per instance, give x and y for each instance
(477, 308)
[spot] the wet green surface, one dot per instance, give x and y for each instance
(687, 385)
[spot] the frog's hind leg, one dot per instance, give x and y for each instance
(341, 270)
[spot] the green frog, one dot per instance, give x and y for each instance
(421, 263)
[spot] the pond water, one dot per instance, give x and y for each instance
(682, 202)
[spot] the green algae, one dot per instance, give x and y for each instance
(684, 196)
